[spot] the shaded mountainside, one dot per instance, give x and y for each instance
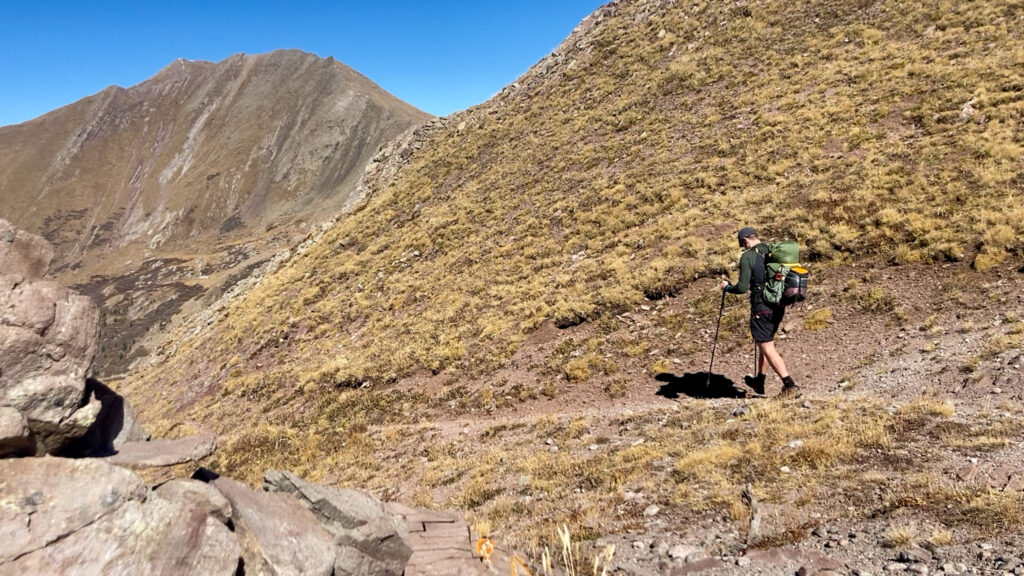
(203, 165)
(502, 261)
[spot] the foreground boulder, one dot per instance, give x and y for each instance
(86, 517)
(43, 500)
(370, 540)
(278, 535)
(48, 341)
(156, 537)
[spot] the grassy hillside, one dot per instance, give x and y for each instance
(619, 169)
(624, 170)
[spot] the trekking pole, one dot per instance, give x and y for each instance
(715, 344)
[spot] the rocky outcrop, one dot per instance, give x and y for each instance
(370, 540)
(48, 340)
(88, 517)
(67, 516)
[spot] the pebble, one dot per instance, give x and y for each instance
(741, 411)
(807, 404)
(743, 561)
(638, 545)
(651, 510)
(784, 469)
(796, 443)
(917, 569)
(820, 532)
(552, 449)
(895, 567)
(997, 390)
(918, 555)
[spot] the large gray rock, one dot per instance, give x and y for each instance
(370, 540)
(15, 437)
(22, 253)
(48, 341)
(43, 500)
(279, 537)
(157, 537)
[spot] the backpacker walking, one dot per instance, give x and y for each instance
(765, 317)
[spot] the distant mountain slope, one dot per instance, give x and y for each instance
(204, 164)
(200, 148)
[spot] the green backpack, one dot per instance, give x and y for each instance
(785, 281)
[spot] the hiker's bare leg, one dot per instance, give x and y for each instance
(760, 361)
(769, 353)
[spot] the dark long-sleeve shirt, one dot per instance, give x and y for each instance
(751, 277)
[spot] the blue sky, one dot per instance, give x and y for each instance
(441, 56)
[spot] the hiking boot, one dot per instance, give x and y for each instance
(790, 392)
(756, 383)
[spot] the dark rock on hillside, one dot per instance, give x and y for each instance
(370, 540)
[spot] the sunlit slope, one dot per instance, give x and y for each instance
(622, 165)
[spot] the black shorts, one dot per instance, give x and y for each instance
(764, 323)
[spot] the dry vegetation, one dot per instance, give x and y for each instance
(621, 174)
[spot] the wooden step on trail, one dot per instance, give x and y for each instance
(441, 544)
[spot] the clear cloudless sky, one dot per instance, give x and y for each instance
(440, 56)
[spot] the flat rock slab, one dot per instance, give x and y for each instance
(441, 544)
(158, 537)
(45, 499)
(156, 453)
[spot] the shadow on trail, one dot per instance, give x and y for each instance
(695, 385)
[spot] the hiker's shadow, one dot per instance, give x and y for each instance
(697, 385)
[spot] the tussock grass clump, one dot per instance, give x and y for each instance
(818, 320)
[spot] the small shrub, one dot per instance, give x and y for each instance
(616, 388)
(818, 320)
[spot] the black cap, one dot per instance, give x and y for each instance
(745, 233)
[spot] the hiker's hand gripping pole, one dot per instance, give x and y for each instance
(714, 345)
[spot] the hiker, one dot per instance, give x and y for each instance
(764, 318)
